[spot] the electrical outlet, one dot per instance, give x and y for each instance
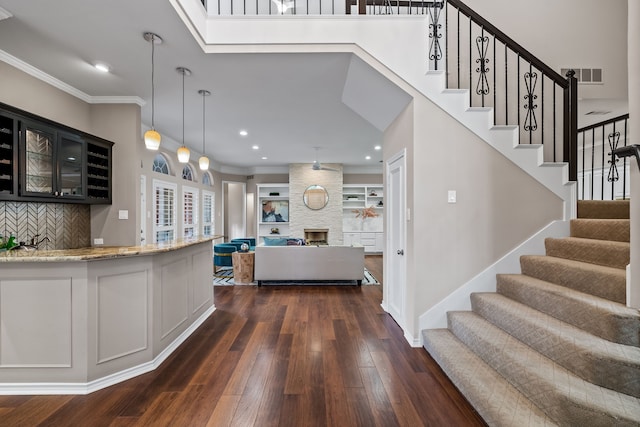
(98, 241)
(451, 197)
(123, 214)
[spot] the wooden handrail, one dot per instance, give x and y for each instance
(628, 151)
(513, 45)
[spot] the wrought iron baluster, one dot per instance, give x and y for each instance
(530, 120)
(614, 139)
(602, 167)
(435, 49)
(482, 87)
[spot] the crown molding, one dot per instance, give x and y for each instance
(59, 84)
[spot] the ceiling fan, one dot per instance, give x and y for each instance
(317, 166)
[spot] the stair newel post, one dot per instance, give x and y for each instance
(570, 124)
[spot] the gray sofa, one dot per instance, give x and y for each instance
(309, 263)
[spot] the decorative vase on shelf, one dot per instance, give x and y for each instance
(244, 247)
(275, 230)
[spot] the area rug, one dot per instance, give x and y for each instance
(224, 277)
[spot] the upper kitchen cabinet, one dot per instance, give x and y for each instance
(44, 161)
(51, 162)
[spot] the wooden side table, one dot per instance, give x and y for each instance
(243, 266)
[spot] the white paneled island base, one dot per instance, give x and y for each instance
(73, 322)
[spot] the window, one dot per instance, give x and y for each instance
(164, 202)
(206, 179)
(208, 212)
(189, 212)
(160, 164)
(187, 173)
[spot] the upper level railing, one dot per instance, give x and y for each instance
(502, 74)
(602, 175)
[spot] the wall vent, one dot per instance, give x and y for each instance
(589, 76)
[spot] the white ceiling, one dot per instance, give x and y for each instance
(289, 103)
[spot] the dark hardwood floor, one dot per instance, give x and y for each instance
(274, 356)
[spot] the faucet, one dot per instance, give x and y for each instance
(34, 245)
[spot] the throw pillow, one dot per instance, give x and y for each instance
(275, 241)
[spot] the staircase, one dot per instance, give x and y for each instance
(555, 345)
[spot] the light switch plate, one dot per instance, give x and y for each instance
(123, 214)
(451, 197)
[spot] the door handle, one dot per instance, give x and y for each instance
(400, 252)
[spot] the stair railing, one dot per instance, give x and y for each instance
(500, 73)
(601, 175)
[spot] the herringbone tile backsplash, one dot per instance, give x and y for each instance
(68, 226)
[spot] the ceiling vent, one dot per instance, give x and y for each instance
(589, 76)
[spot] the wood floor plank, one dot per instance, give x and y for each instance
(249, 403)
(224, 411)
(35, 410)
(398, 396)
(240, 376)
(337, 408)
(382, 409)
(296, 373)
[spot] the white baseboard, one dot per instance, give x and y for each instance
(109, 380)
(436, 316)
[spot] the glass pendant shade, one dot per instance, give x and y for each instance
(183, 154)
(152, 140)
(203, 161)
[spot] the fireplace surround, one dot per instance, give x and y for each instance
(316, 236)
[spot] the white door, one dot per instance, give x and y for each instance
(394, 255)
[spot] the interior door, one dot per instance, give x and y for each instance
(395, 269)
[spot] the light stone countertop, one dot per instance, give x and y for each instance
(102, 252)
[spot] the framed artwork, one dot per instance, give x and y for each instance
(275, 211)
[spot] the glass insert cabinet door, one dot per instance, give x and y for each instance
(53, 162)
(39, 152)
(70, 177)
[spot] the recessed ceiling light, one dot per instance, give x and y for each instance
(377, 147)
(101, 66)
(264, 157)
(243, 133)
(368, 157)
(255, 147)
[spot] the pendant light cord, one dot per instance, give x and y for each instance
(183, 73)
(153, 91)
(203, 126)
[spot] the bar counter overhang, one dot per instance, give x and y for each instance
(76, 321)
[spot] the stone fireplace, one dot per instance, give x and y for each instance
(316, 236)
(328, 219)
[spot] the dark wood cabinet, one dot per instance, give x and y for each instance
(51, 162)
(8, 155)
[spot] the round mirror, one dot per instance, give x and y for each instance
(315, 197)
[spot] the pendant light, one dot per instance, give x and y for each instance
(183, 152)
(152, 137)
(203, 161)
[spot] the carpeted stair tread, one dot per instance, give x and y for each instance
(601, 317)
(603, 209)
(601, 362)
(563, 396)
(604, 282)
(601, 252)
(495, 399)
(601, 229)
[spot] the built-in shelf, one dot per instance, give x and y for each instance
(367, 232)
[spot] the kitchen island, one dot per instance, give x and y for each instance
(75, 321)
